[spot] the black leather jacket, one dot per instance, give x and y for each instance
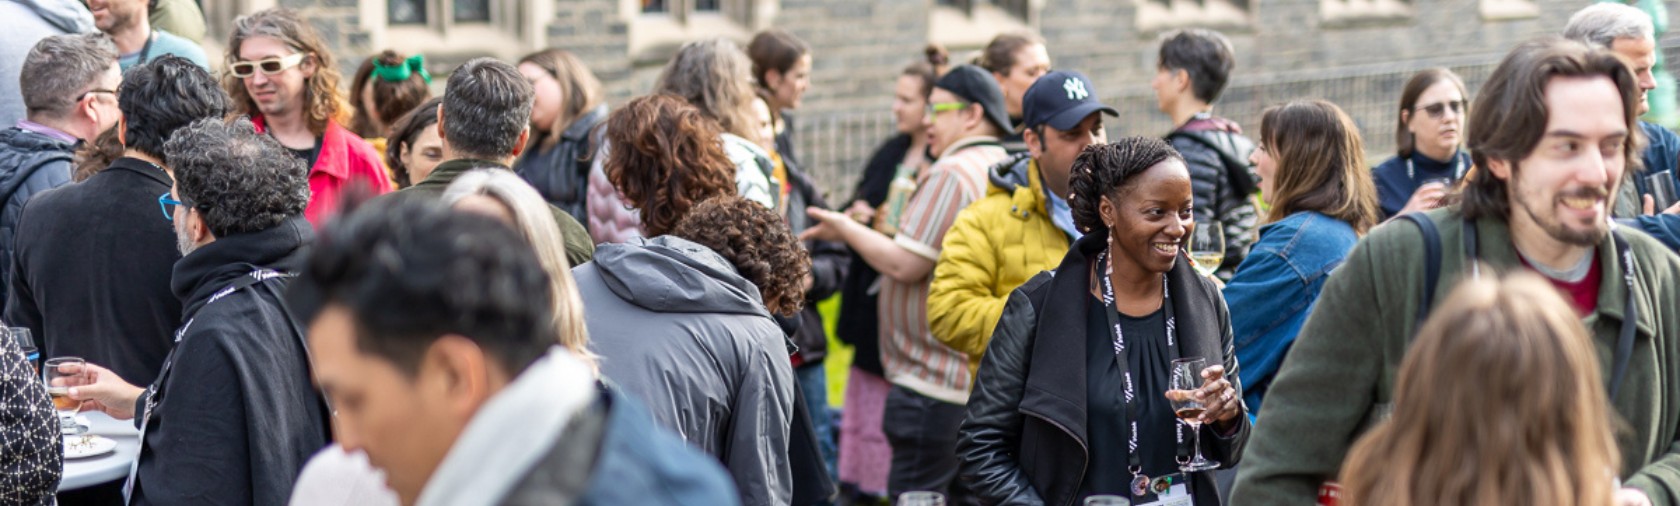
(1024, 440)
(561, 172)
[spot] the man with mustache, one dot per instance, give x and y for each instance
(282, 74)
(1547, 178)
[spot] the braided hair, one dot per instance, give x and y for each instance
(1103, 169)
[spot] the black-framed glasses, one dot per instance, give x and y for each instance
(96, 90)
(168, 206)
(1438, 109)
(268, 67)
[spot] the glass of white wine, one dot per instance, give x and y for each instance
(60, 374)
(1207, 246)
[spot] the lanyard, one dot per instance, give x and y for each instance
(146, 50)
(152, 391)
(1134, 462)
(1458, 167)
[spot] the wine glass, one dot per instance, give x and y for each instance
(62, 373)
(1187, 377)
(1207, 246)
(1107, 500)
(921, 499)
(26, 345)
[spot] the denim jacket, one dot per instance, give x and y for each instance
(1275, 288)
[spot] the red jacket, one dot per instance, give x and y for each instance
(344, 157)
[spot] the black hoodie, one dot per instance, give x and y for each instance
(236, 416)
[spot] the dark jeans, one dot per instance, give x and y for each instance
(813, 381)
(923, 434)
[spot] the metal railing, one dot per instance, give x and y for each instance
(834, 147)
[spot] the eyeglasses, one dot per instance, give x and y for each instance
(96, 90)
(933, 110)
(168, 206)
(1438, 109)
(268, 67)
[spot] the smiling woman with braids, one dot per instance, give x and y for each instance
(1127, 303)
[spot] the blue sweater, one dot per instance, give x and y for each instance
(1275, 289)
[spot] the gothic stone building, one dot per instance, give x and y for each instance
(1354, 52)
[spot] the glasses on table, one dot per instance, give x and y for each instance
(1438, 109)
(60, 374)
(268, 67)
(1187, 377)
(921, 498)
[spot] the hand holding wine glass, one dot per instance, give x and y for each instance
(60, 374)
(1187, 401)
(106, 392)
(1207, 247)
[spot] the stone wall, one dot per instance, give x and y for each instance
(1287, 52)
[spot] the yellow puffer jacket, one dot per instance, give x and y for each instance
(995, 245)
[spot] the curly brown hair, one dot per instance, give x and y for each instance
(322, 101)
(663, 155)
(757, 242)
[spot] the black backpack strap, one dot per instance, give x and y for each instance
(1431, 263)
(1630, 317)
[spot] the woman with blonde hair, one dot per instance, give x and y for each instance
(1311, 164)
(502, 195)
(1498, 401)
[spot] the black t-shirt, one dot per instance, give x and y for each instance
(1150, 360)
(309, 154)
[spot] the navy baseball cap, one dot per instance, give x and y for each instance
(1062, 99)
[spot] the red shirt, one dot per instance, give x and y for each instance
(344, 159)
(1582, 294)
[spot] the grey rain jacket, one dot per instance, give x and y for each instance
(679, 330)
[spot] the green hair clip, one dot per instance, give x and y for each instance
(399, 73)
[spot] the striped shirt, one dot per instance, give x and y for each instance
(911, 356)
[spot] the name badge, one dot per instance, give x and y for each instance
(1169, 490)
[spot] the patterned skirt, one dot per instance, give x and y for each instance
(865, 456)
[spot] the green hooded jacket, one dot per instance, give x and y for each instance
(1339, 377)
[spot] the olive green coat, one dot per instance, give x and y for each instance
(1343, 366)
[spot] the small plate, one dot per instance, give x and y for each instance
(88, 445)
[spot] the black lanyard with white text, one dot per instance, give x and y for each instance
(1140, 482)
(152, 391)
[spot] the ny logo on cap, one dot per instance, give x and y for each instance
(1075, 89)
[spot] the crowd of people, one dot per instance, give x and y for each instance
(517, 292)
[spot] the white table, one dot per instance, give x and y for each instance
(87, 472)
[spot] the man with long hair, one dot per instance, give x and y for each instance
(282, 74)
(1552, 132)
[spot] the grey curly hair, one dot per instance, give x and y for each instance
(238, 180)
